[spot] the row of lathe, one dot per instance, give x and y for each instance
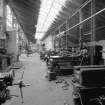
(88, 80)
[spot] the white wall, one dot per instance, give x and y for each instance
(49, 42)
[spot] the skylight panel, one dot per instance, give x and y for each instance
(48, 12)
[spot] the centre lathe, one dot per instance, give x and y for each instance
(89, 85)
(58, 65)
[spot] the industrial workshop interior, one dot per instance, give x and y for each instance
(52, 52)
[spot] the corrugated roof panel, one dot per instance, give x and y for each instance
(26, 12)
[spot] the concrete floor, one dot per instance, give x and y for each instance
(40, 91)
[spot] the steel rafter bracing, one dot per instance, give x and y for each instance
(67, 10)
